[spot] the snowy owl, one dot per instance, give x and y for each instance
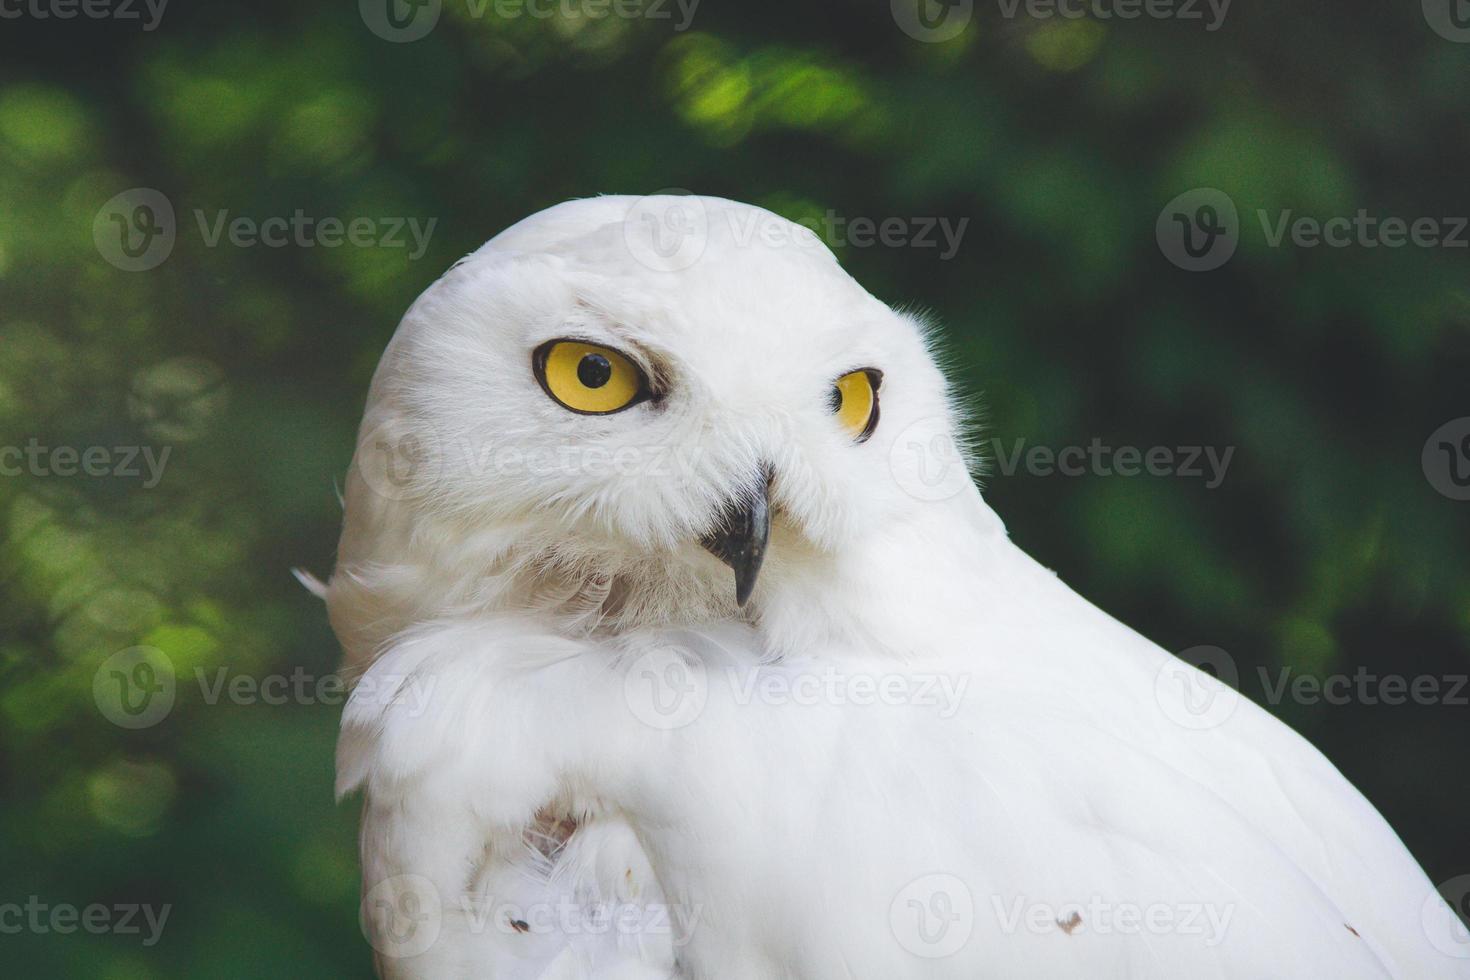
(683, 645)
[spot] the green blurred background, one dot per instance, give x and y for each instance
(1325, 548)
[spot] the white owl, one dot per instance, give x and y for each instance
(894, 746)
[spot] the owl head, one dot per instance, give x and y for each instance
(630, 411)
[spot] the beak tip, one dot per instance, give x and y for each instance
(741, 542)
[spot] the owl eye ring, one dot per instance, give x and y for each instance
(588, 378)
(854, 400)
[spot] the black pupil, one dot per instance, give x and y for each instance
(594, 370)
(835, 399)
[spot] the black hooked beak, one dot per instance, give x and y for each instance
(741, 539)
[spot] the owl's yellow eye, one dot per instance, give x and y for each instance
(587, 378)
(855, 402)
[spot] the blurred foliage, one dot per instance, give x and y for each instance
(1324, 549)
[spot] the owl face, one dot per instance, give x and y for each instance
(570, 402)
